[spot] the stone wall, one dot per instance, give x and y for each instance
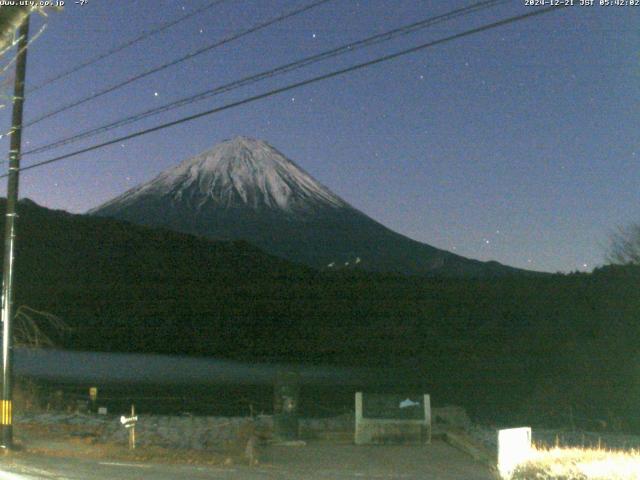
(199, 433)
(205, 433)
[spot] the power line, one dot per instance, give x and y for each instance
(124, 45)
(189, 56)
(6, 66)
(304, 62)
(298, 85)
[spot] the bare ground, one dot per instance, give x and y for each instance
(315, 461)
(74, 454)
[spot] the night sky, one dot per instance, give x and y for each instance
(519, 144)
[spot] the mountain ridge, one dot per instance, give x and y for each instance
(128, 288)
(245, 189)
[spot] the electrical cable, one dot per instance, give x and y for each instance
(289, 67)
(123, 46)
(289, 87)
(188, 56)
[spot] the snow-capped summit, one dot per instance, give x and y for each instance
(238, 173)
(244, 189)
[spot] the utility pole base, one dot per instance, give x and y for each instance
(6, 440)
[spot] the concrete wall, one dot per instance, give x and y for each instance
(379, 431)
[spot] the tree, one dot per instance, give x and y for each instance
(625, 246)
(37, 329)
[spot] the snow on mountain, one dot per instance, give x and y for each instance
(244, 189)
(237, 173)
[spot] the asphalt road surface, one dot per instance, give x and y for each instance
(437, 461)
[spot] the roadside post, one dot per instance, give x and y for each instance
(514, 448)
(130, 424)
(93, 398)
(285, 408)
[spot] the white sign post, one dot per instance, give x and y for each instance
(514, 448)
(130, 424)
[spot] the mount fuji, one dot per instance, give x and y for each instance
(244, 189)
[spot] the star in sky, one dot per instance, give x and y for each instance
(445, 133)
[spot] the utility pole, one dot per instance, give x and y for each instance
(6, 405)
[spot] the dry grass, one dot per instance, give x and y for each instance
(579, 464)
(79, 449)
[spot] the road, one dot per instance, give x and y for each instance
(320, 461)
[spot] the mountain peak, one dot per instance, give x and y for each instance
(245, 142)
(237, 156)
(238, 173)
(244, 189)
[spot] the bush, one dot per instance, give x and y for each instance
(579, 464)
